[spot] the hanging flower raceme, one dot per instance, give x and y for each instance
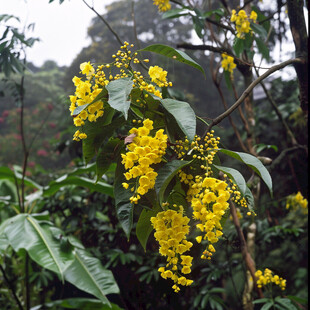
(209, 206)
(242, 22)
(267, 278)
(163, 5)
(171, 228)
(144, 151)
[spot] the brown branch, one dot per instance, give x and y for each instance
(247, 92)
(244, 249)
(300, 37)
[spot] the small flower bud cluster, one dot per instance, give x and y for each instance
(268, 278)
(144, 151)
(242, 22)
(171, 228)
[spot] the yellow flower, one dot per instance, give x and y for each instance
(228, 63)
(87, 69)
(158, 75)
(163, 5)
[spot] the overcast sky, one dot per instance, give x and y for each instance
(61, 28)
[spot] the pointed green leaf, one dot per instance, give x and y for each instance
(238, 46)
(260, 30)
(144, 227)
(253, 163)
(175, 54)
(108, 154)
(119, 91)
(25, 232)
(166, 174)
(87, 274)
(66, 180)
(262, 48)
(175, 13)
(183, 114)
(235, 175)
(124, 208)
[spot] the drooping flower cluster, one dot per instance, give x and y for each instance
(242, 22)
(163, 5)
(158, 76)
(228, 63)
(209, 205)
(267, 277)
(295, 201)
(144, 151)
(171, 228)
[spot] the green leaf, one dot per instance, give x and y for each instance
(165, 175)
(66, 180)
(25, 232)
(267, 305)
(253, 163)
(260, 147)
(175, 54)
(119, 91)
(261, 301)
(183, 114)
(175, 13)
(78, 303)
(262, 48)
(144, 227)
(87, 274)
(103, 95)
(8, 174)
(124, 208)
(235, 175)
(250, 199)
(260, 30)
(227, 76)
(4, 242)
(108, 154)
(285, 303)
(238, 46)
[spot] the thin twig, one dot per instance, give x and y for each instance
(105, 22)
(244, 249)
(250, 88)
(10, 285)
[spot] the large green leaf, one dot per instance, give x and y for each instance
(165, 175)
(235, 175)
(175, 13)
(4, 242)
(119, 91)
(124, 208)
(87, 274)
(8, 174)
(78, 303)
(173, 53)
(238, 46)
(26, 232)
(262, 48)
(144, 227)
(67, 180)
(183, 114)
(97, 132)
(108, 154)
(253, 163)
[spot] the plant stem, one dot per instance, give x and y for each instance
(11, 288)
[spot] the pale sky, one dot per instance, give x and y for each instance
(61, 28)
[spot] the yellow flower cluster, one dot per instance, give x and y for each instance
(85, 93)
(144, 151)
(171, 228)
(96, 79)
(163, 5)
(268, 277)
(209, 206)
(158, 76)
(228, 63)
(295, 201)
(235, 194)
(242, 22)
